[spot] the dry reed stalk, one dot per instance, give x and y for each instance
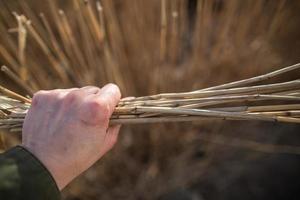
(258, 102)
(57, 40)
(19, 81)
(131, 46)
(163, 31)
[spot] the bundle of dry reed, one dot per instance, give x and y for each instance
(240, 100)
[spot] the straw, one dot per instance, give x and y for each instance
(275, 102)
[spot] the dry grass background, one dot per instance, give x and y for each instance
(149, 47)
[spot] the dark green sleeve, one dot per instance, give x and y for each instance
(22, 176)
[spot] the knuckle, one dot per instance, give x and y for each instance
(72, 96)
(37, 97)
(100, 107)
(56, 97)
(54, 93)
(97, 112)
(39, 93)
(90, 87)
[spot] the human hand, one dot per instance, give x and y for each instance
(68, 129)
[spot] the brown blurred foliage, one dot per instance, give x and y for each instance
(155, 46)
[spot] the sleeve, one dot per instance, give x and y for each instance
(23, 176)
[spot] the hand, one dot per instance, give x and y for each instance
(68, 130)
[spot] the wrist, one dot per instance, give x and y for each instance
(59, 176)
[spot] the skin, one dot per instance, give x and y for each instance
(68, 129)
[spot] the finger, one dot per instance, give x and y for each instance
(97, 109)
(111, 137)
(110, 95)
(64, 90)
(73, 98)
(57, 90)
(90, 90)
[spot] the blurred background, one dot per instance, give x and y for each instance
(149, 47)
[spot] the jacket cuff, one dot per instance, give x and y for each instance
(26, 176)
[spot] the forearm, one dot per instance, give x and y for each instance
(23, 176)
